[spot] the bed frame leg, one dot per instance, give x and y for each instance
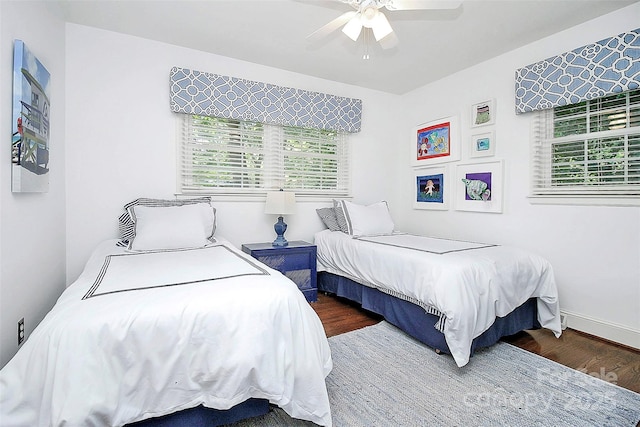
(438, 351)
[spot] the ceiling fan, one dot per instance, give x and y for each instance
(368, 15)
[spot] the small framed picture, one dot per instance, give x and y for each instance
(479, 187)
(483, 113)
(483, 144)
(437, 141)
(431, 188)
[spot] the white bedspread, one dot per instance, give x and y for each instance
(469, 283)
(119, 356)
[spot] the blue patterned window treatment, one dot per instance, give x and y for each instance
(206, 94)
(599, 69)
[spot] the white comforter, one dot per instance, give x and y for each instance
(119, 356)
(469, 283)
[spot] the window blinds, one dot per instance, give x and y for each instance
(316, 161)
(238, 157)
(591, 148)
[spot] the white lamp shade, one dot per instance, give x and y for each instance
(280, 203)
(353, 28)
(380, 26)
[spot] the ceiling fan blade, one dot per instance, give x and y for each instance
(388, 42)
(422, 4)
(353, 27)
(326, 29)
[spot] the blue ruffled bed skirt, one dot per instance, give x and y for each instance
(201, 416)
(416, 322)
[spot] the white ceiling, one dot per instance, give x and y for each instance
(432, 44)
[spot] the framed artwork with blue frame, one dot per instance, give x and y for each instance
(431, 188)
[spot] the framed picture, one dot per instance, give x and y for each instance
(437, 141)
(431, 188)
(29, 122)
(479, 187)
(483, 113)
(483, 144)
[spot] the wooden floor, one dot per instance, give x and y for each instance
(597, 357)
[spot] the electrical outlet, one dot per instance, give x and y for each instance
(20, 331)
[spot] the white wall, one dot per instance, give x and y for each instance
(110, 118)
(121, 138)
(32, 226)
(595, 250)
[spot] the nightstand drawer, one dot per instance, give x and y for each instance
(285, 262)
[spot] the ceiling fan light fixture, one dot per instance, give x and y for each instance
(353, 28)
(381, 27)
(368, 16)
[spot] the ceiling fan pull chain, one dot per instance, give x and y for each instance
(365, 40)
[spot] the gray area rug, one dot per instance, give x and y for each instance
(383, 377)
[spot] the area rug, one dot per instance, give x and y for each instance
(382, 377)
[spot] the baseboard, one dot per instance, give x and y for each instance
(609, 331)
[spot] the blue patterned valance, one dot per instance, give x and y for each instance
(593, 71)
(196, 92)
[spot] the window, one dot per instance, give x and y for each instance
(238, 157)
(590, 149)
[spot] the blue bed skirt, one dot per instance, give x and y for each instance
(201, 416)
(413, 320)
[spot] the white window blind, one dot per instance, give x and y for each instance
(230, 156)
(589, 149)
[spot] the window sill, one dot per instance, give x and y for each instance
(585, 200)
(260, 197)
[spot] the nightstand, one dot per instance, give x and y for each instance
(297, 261)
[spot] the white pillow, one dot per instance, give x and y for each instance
(125, 221)
(172, 227)
(374, 219)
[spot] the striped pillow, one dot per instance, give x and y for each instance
(126, 224)
(328, 217)
(340, 216)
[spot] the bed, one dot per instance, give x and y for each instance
(154, 334)
(454, 296)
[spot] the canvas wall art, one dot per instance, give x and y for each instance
(30, 122)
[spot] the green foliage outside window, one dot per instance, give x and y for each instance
(227, 154)
(596, 142)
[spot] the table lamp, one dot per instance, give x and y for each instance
(280, 203)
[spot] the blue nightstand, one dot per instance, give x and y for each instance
(297, 261)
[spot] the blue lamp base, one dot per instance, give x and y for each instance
(280, 227)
